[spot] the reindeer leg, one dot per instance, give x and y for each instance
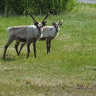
(49, 46)
(6, 46)
(34, 48)
(28, 49)
(16, 47)
(22, 45)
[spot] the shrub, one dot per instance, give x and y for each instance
(20, 7)
(70, 5)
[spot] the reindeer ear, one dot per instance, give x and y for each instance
(44, 23)
(53, 23)
(60, 23)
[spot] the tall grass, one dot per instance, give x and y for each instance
(70, 69)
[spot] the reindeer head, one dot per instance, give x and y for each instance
(57, 25)
(40, 25)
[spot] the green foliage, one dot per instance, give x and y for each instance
(70, 5)
(20, 7)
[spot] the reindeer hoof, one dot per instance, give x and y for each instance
(3, 58)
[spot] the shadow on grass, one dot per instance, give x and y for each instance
(8, 59)
(94, 69)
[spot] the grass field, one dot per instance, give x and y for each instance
(70, 69)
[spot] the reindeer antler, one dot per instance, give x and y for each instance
(46, 17)
(32, 17)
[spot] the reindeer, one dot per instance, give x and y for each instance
(48, 33)
(27, 34)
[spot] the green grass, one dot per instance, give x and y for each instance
(70, 69)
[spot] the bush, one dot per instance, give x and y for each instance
(20, 7)
(70, 5)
